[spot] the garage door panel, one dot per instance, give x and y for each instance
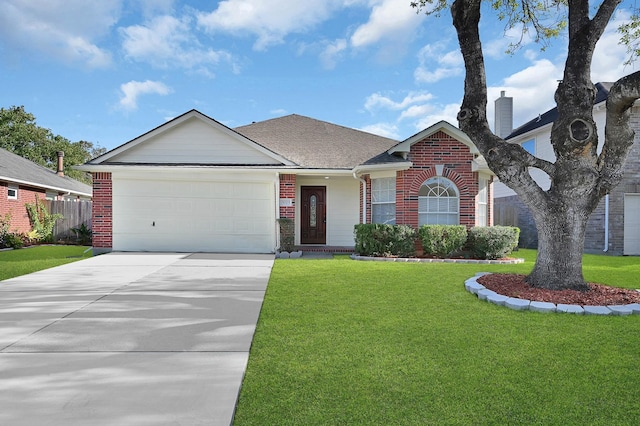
(632, 224)
(193, 216)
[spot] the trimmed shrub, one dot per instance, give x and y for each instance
(377, 239)
(493, 242)
(442, 240)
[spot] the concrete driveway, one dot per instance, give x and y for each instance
(129, 339)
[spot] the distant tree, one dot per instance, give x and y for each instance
(20, 134)
(580, 177)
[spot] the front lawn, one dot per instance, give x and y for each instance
(343, 342)
(14, 263)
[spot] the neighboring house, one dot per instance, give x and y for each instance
(614, 226)
(193, 184)
(21, 181)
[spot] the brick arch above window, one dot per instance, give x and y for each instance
(430, 172)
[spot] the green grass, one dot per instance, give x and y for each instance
(14, 263)
(342, 342)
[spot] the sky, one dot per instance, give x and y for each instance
(108, 71)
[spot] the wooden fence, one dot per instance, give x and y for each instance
(74, 214)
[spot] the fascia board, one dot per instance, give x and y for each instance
(179, 120)
(444, 126)
(380, 167)
(40, 185)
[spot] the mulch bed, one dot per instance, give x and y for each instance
(514, 285)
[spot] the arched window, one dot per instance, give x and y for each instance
(438, 202)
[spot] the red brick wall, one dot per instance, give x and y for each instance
(288, 191)
(438, 149)
(19, 216)
(102, 210)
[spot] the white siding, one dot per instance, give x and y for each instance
(343, 207)
(185, 211)
(194, 142)
(544, 150)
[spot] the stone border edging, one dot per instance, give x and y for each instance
(483, 293)
(429, 260)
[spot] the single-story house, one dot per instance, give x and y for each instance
(614, 227)
(21, 181)
(194, 184)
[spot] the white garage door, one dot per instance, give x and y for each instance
(193, 215)
(632, 224)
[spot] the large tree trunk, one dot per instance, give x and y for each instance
(580, 177)
(561, 232)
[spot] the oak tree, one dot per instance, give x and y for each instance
(20, 134)
(581, 175)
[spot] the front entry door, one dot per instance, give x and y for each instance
(313, 224)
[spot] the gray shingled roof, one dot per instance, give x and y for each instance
(14, 168)
(316, 144)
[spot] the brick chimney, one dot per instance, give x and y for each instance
(60, 171)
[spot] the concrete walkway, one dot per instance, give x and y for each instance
(129, 339)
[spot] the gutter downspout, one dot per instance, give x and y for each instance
(364, 197)
(606, 223)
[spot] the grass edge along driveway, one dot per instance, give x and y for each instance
(347, 342)
(14, 263)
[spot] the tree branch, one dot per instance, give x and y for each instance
(619, 136)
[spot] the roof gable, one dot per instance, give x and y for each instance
(14, 168)
(316, 144)
(192, 138)
(441, 126)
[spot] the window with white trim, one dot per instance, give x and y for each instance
(383, 200)
(12, 192)
(438, 202)
(482, 202)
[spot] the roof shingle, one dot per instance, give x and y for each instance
(316, 144)
(16, 168)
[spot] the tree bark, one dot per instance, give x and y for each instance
(579, 176)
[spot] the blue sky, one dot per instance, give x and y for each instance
(107, 71)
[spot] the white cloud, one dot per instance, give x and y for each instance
(167, 41)
(132, 90)
(387, 130)
(63, 29)
(609, 56)
(436, 64)
(390, 19)
(447, 113)
(66, 30)
(377, 100)
(415, 111)
(332, 53)
(532, 90)
(270, 21)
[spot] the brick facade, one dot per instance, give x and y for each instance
(288, 192)
(439, 149)
(16, 208)
(102, 215)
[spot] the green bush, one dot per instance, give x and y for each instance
(376, 239)
(41, 220)
(442, 240)
(13, 240)
(493, 242)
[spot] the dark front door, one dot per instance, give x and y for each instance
(313, 224)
